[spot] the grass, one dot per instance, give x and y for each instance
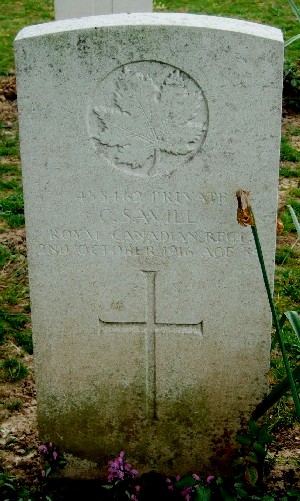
(14, 15)
(289, 172)
(12, 208)
(13, 369)
(14, 405)
(275, 13)
(286, 254)
(286, 216)
(288, 152)
(9, 144)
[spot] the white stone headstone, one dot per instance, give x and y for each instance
(150, 319)
(66, 9)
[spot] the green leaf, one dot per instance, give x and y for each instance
(9, 486)
(265, 438)
(295, 9)
(185, 482)
(226, 496)
(48, 471)
(294, 319)
(240, 491)
(202, 493)
(291, 40)
(277, 392)
(254, 428)
(293, 214)
(252, 458)
(259, 448)
(251, 475)
(242, 439)
(293, 493)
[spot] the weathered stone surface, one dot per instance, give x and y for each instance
(151, 323)
(66, 9)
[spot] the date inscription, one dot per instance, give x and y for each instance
(147, 244)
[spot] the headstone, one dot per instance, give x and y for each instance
(151, 323)
(66, 9)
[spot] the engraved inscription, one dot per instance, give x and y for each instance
(148, 224)
(164, 197)
(146, 243)
(148, 118)
(117, 305)
(150, 328)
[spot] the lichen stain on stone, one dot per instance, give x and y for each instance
(83, 46)
(181, 440)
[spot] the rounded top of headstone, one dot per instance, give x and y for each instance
(153, 19)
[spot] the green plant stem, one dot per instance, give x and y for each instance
(275, 317)
(277, 392)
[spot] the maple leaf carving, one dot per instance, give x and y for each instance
(147, 118)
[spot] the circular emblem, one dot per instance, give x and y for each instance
(148, 118)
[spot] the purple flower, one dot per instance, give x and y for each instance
(195, 476)
(114, 465)
(187, 491)
(119, 468)
(43, 473)
(209, 478)
(43, 449)
(54, 455)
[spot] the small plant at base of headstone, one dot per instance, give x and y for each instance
(121, 476)
(250, 465)
(52, 461)
(244, 481)
(123, 484)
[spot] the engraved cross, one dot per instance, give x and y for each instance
(150, 328)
